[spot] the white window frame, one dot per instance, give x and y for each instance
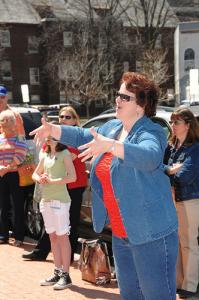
(6, 68)
(62, 96)
(125, 66)
(127, 41)
(33, 44)
(158, 42)
(68, 38)
(34, 76)
(5, 38)
(138, 66)
(99, 103)
(102, 39)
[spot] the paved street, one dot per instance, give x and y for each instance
(19, 279)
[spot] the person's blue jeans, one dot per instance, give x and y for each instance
(147, 271)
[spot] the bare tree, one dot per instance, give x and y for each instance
(86, 71)
(149, 18)
(155, 66)
(86, 77)
(83, 74)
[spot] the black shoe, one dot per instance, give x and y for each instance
(34, 255)
(183, 294)
(3, 241)
(64, 282)
(51, 280)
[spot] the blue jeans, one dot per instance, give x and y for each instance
(147, 271)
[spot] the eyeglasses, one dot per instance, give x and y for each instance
(176, 122)
(124, 97)
(51, 139)
(65, 117)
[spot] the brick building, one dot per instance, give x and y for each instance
(19, 56)
(23, 56)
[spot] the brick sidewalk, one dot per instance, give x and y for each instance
(19, 279)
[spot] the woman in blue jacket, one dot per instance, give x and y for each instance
(130, 190)
(182, 158)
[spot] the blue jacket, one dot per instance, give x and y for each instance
(141, 188)
(186, 181)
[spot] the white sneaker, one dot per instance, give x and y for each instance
(64, 282)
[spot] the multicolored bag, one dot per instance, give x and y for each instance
(26, 169)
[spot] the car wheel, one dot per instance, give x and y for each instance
(33, 220)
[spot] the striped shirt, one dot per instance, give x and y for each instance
(12, 150)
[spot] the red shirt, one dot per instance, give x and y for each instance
(103, 173)
(80, 168)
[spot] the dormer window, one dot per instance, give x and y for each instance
(68, 38)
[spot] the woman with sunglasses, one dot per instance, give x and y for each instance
(130, 189)
(54, 171)
(182, 159)
(68, 116)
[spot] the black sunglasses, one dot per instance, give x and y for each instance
(124, 97)
(176, 122)
(65, 117)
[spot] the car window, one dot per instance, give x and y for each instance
(164, 125)
(52, 112)
(97, 122)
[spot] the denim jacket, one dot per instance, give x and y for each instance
(141, 188)
(186, 180)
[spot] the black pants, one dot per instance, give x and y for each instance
(10, 190)
(43, 247)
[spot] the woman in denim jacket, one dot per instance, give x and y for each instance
(130, 190)
(182, 158)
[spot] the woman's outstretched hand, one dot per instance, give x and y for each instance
(97, 146)
(41, 132)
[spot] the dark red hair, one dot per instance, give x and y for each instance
(146, 91)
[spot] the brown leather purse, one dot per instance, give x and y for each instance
(94, 262)
(25, 172)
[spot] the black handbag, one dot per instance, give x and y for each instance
(94, 262)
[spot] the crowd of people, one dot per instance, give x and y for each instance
(144, 186)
